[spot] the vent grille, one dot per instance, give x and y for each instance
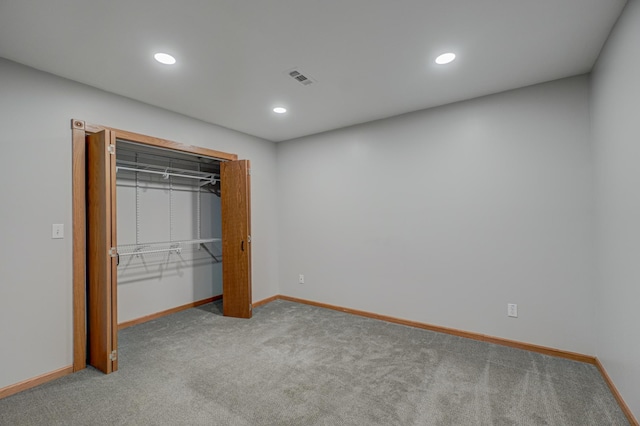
(300, 78)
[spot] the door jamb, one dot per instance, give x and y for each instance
(80, 130)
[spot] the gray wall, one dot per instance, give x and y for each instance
(616, 136)
(446, 215)
(35, 186)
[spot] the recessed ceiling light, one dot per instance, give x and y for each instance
(279, 110)
(445, 58)
(165, 58)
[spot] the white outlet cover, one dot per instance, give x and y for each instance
(512, 310)
(57, 230)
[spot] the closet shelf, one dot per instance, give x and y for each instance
(148, 248)
(167, 172)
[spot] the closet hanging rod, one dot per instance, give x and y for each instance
(172, 169)
(211, 177)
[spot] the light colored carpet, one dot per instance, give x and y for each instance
(295, 364)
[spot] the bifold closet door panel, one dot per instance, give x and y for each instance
(101, 237)
(235, 207)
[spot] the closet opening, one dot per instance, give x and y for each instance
(169, 230)
(158, 226)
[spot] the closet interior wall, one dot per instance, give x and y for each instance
(168, 229)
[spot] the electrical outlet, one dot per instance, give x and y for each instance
(300, 279)
(57, 230)
(512, 310)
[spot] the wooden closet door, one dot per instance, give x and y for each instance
(101, 238)
(235, 205)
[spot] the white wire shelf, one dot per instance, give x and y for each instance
(167, 172)
(161, 247)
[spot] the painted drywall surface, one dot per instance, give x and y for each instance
(446, 215)
(615, 102)
(35, 186)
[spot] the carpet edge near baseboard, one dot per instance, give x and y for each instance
(166, 312)
(35, 381)
(559, 353)
(61, 372)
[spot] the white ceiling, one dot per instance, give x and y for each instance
(370, 58)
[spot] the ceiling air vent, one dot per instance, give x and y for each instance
(299, 77)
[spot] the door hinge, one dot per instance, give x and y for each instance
(249, 172)
(113, 356)
(111, 149)
(250, 307)
(113, 252)
(248, 238)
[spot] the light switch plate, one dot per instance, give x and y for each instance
(57, 230)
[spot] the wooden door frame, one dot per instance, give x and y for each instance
(79, 131)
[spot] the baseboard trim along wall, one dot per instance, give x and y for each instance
(475, 336)
(461, 333)
(161, 314)
(47, 377)
(35, 381)
(623, 405)
(265, 301)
